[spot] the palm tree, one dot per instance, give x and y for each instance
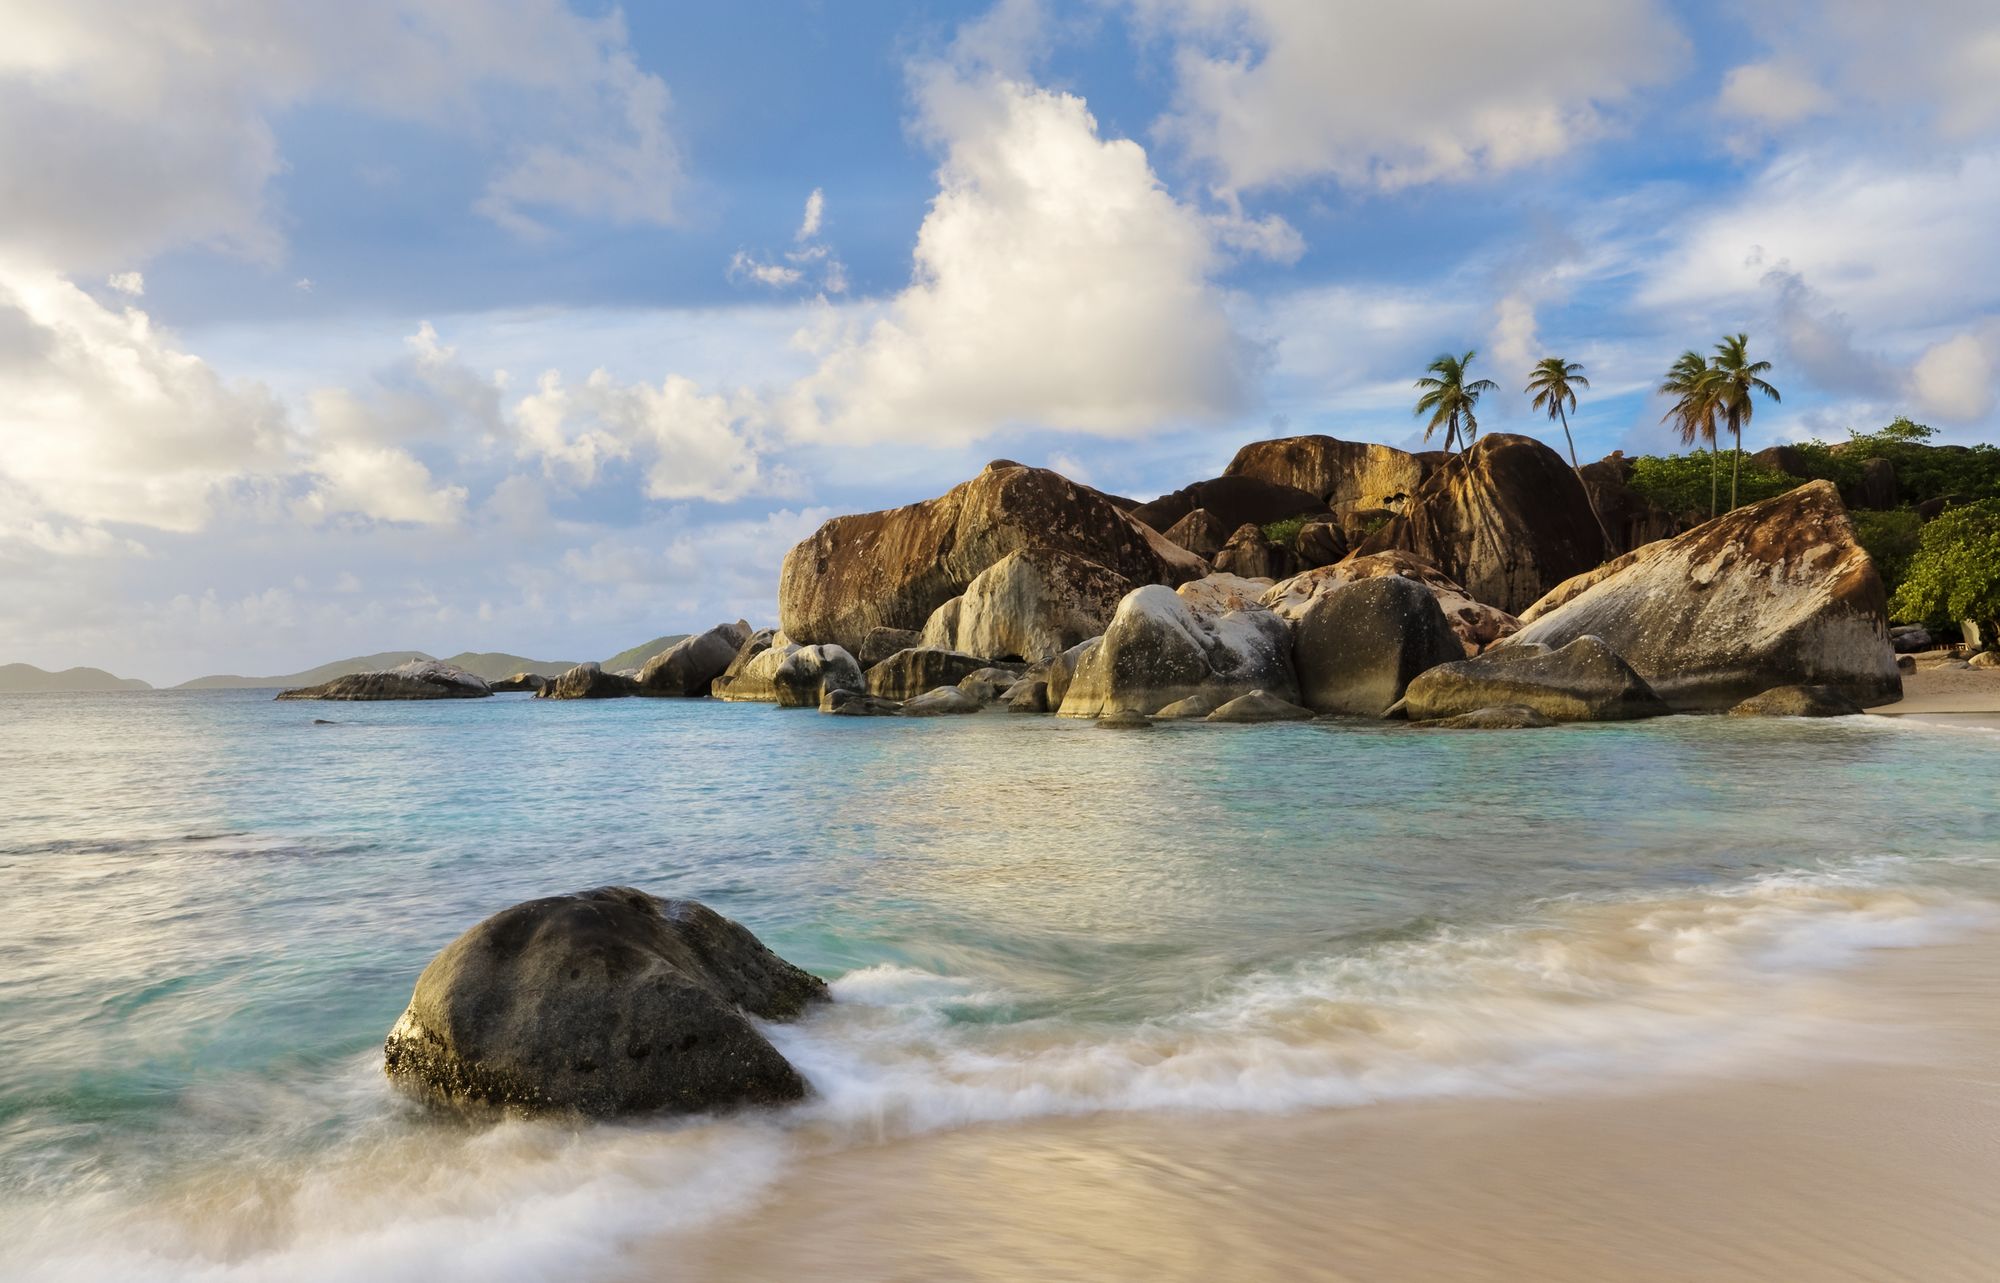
(1553, 383)
(1693, 386)
(1736, 377)
(1449, 400)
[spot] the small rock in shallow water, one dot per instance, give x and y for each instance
(1501, 717)
(1125, 720)
(945, 699)
(847, 703)
(1798, 701)
(1260, 706)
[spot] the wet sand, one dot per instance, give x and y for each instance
(1876, 1160)
(1942, 692)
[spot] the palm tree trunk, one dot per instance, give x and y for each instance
(1735, 462)
(1714, 476)
(1610, 549)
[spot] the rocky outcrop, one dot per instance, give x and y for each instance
(1503, 717)
(749, 677)
(1797, 701)
(943, 701)
(1061, 671)
(1124, 720)
(602, 1003)
(1026, 696)
(1214, 594)
(1201, 532)
(588, 681)
(1249, 555)
(1320, 543)
(1340, 474)
(808, 673)
(892, 569)
(909, 673)
(689, 667)
(1029, 606)
(1159, 649)
(1630, 519)
(1877, 488)
(1193, 708)
(1506, 518)
(989, 684)
(1778, 593)
(1260, 706)
(1358, 647)
(1477, 624)
(884, 642)
(841, 702)
(1232, 501)
(1585, 681)
(418, 679)
(518, 682)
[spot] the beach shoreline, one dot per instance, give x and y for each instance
(1948, 696)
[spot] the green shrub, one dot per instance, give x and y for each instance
(1923, 471)
(1283, 532)
(1679, 483)
(1955, 572)
(1891, 540)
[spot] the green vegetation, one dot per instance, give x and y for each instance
(1955, 573)
(1736, 378)
(1891, 540)
(1283, 532)
(1923, 471)
(1676, 482)
(1553, 384)
(1692, 413)
(1449, 399)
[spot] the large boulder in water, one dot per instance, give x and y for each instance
(1358, 647)
(1232, 501)
(603, 1002)
(892, 569)
(1778, 593)
(910, 673)
(518, 682)
(588, 681)
(1160, 649)
(808, 673)
(1585, 681)
(1340, 474)
(749, 677)
(418, 679)
(689, 667)
(1507, 518)
(884, 642)
(1477, 624)
(1028, 606)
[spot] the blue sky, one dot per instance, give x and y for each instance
(511, 324)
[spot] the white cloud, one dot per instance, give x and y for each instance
(743, 267)
(1515, 346)
(380, 482)
(1773, 93)
(809, 255)
(809, 224)
(130, 284)
(126, 129)
(1278, 91)
(1056, 283)
(691, 445)
(1955, 379)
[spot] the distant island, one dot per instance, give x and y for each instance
(20, 678)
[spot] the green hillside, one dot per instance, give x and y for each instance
(638, 655)
(494, 665)
(489, 664)
(26, 677)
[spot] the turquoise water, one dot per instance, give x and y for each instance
(216, 908)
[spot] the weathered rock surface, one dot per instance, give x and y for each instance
(1629, 517)
(1159, 649)
(1125, 720)
(518, 682)
(418, 679)
(1877, 488)
(1061, 671)
(892, 569)
(1507, 519)
(1357, 647)
(1798, 701)
(1320, 543)
(1260, 706)
(1984, 659)
(1503, 717)
(1232, 501)
(1029, 606)
(1356, 474)
(689, 667)
(809, 672)
(1778, 593)
(945, 700)
(910, 673)
(749, 677)
(603, 1002)
(1477, 624)
(1249, 555)
(1193, 708)
(588, 681)
(1585, 681)
(884, 642)
(989, 684)
(841, 702)
(1026, 696)
(1201, 532)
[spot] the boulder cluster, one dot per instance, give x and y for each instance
(1315, 577)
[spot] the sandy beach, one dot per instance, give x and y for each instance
(1876, 1162)
(1940, 691)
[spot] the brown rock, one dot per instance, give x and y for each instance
(1354, 474)
(1477, 625)
(1249, 555)
(1233, 501)
(1201, 532)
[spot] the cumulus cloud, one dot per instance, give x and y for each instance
(690, 445)
(1056, 282)
(1956, 379)
(126, 129)
(1773, 93)
(809, 256)
(1278, 91)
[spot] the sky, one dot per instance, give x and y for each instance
(547, 328)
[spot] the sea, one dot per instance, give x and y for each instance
(215, 906)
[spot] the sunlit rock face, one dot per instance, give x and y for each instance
(892, 569)
(1340, 474)
(690, 666)
(1160, 649)
(1358, 647)
(1029, 606)
(1778, 593)
(1477, 624)
(1584, 681)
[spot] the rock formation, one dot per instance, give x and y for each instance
(603, 1002)
(884, 642)
(1477, 624)
(418, 679)
(1777, 593)
(1201, 532)
(910, 673)
(1507, 518)
(1340, 474)
(519, 682)
(1159, 649)
(1249, 555)
(1797, 701)
(892, 569)
(1585, 681)
(1260, 706)
(749, 676)
(808, 673)
(690, 666)
(1232, 501)
(841, 702)
(588, 681)
(1358, 647)
(944, 700)
(1502, 717)
(1028, 606)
